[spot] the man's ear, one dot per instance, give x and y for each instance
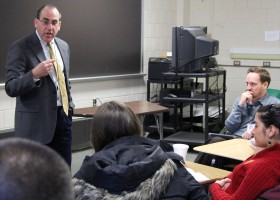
(35, 22)
(59, 26)
(266, 84)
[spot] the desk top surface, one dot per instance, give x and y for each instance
(211, 173)
(238, 149)
(138, 107)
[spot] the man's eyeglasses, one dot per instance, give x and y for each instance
(47, 22)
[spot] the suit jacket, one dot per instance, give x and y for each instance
(36, 102)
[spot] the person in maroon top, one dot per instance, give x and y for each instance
(261, 171)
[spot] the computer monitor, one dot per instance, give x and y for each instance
(191, 48)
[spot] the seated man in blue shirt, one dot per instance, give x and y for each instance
(240, 120)
(246, 106)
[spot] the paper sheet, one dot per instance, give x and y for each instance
(197, 175)
(272, 36)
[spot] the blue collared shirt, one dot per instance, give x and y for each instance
(240, 116)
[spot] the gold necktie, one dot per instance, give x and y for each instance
(61, 81)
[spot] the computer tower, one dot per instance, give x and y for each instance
(157, 66)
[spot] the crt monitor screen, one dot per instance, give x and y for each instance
(191, 47)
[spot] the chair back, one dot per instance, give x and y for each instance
(274, 92)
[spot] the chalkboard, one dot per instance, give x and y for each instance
(104, 35)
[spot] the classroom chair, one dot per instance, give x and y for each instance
(274, 92)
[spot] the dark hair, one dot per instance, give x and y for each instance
(270, 115)
(39, 10)
(264, 74)
(113, 120)
(30, 170)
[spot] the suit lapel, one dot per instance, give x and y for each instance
(36, 47)
(38, 52)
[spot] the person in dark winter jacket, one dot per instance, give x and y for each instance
(128, 166)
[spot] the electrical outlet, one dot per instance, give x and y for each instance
(266, 64)
(236, 63)
(94, 102)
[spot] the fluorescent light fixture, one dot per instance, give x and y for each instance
(255, 54)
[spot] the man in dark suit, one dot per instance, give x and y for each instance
(31, 77)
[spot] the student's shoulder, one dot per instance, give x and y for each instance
(271, 100)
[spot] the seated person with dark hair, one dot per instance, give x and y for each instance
(32, 171)
(128, 166)
(243, 112)
(261, 171)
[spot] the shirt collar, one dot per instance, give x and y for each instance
(263, 99)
